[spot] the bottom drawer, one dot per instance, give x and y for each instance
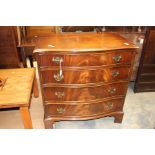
(84, 109)
(144, 87)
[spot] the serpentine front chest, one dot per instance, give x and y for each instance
(84, 76)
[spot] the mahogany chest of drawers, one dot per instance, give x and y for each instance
(83, 76)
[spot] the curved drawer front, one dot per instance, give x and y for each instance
(84, 109)
(89, 59)
(60, 94)
(85, 76)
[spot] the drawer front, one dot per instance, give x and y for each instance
(142, 87)
(91, 59)
(60, 94)
(85, 76)
(84, 109)
(147, 78)
(148, 69)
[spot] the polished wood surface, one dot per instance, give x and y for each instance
(35, 88)
(9, 57)
(87, 59)
(2, 81)
(29, 36)
(87, 110)
(137, 38)
(16, 92)
(33, 31)
(133, 33)
(89, 75)
(17, 88)
(84, 76)
(82, 42)
(26, 117)
(80, 94)
(145, 81)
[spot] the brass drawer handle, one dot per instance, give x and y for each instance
(58, 77)
(60, 110)
(60, 94)
(108, 106)
(57, 60)
(117, 58)
(115, 73)
(112, 90)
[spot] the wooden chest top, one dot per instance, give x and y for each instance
(82, 42)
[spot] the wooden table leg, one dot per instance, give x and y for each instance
(35, 88)
(26, 117)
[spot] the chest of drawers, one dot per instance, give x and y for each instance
(83, 76)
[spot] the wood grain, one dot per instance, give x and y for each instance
(82, 42)
(87, 59)
(26, 117)
(17, 89)
(145, 81)
(81, 94)
(80, 110)
(88, 78)
(85, 76)
(9, 57)
(35, 88)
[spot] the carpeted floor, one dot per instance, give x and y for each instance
(139, 113)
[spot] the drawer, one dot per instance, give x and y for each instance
(60, 94)
(148, 86)
(87, 59)
(147, 78)
(83, 76)
(148, 69)
(84, 109)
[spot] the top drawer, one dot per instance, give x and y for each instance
(85, 59)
